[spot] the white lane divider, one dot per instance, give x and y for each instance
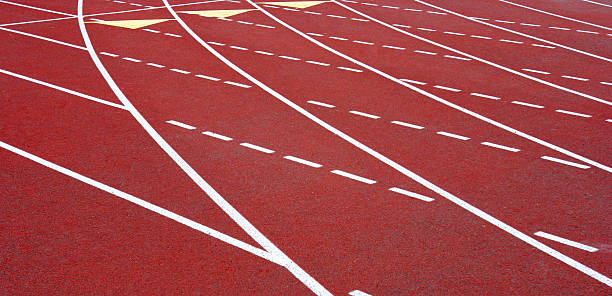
(364, 114)
(573, 113)
(566, 241)
(411, 194)
(485, 96)
(527, 104)
(180, 124)
(357, 292)
(258, 148)
(410, 125)
(321, 104)
(565, 162)
(354, 177)
(217, 136)
(451, 135)
(303, 161)
(511, 149)
(447, 88)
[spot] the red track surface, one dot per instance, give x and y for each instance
(306, 229)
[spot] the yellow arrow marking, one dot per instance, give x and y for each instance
(296, 4)
(218, 13)
(131, 24)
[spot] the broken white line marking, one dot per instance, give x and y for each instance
(453, 33)
(500, 147)
(426, 29)
(394, 47)
(265, 26)
(237, 84)
(238, 47)
(531, 25)
(364, 114)
(152, 31)
(453, 136)
(315, 34)
(336, 16)
(337, 38)
(410, 9)
(216, 43)
(407, 125)
(403, 26)
(392, 7)
(414, 81)
(321, 104)
(411, 194)
(527, 104)
(447, 88)
(588, 32)
(218, 136)
(425, 52)
(317, 63)
(303, 161)
(566, 241)
(243, 22)
(485, 96)
(359, 20)
(208, 77)
(565, 162)
(575, 78)
(363, 42)
(507, 22)
(155, 65)
(606, 83)
(172, 35)
(573, 113)
(536, 71)
(354, 177)
(511, 41)
(289, 58)
(180, 124)
(132, 60)
(557, 28)
(481, 37)
(312, 12)
(350, 69)
(180, 71)
(258, 148)
(263, 52)
(435, 12)
(109, 54)
(544, 46)
(456, 58)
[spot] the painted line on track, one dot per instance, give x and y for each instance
(354, 177)
(258, 148)
(302, 161)
(411, 194)
(566, 241)
(217, 136)
(565, 162)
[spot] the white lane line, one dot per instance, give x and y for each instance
(536, 71)
(363, 42)
(597, 3)
(370, 4)
(456, 57)
(565, 162)
(502, 21)
(606, 83)
(359, 20)
(566, 241)
(556, 15)
(575, 78)
(289, 58)
(560, 28)
(238, 47)
(392, 7)
(318, 63)
(411, 194)
(149, 206)
(109, 54)
(321, 104)
(588, 32)
(208, 77)
(544, 46)
(180, 124)
(426, 29)
(364, 114)
(265, 26)
(530, 25)
(527, 104)
(358, 293)
(336, 16)
(573, 113)
(454, 33)
(453, 136)
(608, 120)
(303, 161)
(350, 69)
(394, 47)
(132, 60)
(312, 12)
(217, 136)
(315, 34)
(425, 52)
(480, 37)
(155, 65)
(264, 52)
(215, 43)
(237, 84)
(180, 71)
(511, 149)
(447, 88)
(69, 91)
(414, 81)
(172, 35)
(436, 12)
(407, 124)
(290, 9)
(511, 41)
(354, 177)
(412, 9)
(485, 96)
(402, 26)
(243, 22)
(36, 8)
(258, 148)
(152, 31)
(337, 38)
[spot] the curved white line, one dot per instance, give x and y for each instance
(556, 15)
(274, 251)
(505, 227)
(515, 32)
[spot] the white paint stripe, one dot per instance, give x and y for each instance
(407, 124)
(511, 41)
(317, 63)
(511, 149)
(258, 148)
(412, 9)
(556, 15)
(243, 22)
(364, 114)
(302, 275)
(155, 65)
(527, 104)
(565, 162)
(312, 12)
(265, 26)
(436, 12)
(217, 136)
(315, 34)
(454, 33)
(480, 37)
(359, 20)
(149, 206)
(402, 26)
(425, 52)
(36, 8)
(447, 88)
(180, 71)
(350, 69)
(208, 77)
(132, 60)
(575, 78)
(394, 47)
(69, 91)
(354, 177)
(426, 29)
(336, 16)
(289, 58)
(588, 32)
(152, 31)
(530, 25)
(370, 4)
(536, 71)
(337, 38)
(453, 136)
(216, 43)
(264, 52)
(321, 104)
(237, 84)
(303, 161)
(180, 124)
(456, 57)
(573, 113)
(485, 96)
(597, 3)
(363, 42)
(544, 46)
(411, 194)
(502, 21)
(358, 293)
(392, 7)
(414, 81)
(109, 54)
(44, 38)
(606, 83)
(172, 35)
(560, 28)
(238, 47)
(566, 241)
(608, 120)
(290, 9)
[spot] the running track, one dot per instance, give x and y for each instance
(353, 147)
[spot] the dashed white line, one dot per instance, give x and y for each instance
(480, 37)
(573, 113)
(315, 34)
(536, 71)
(263, 52)
(394, 47)
(237, 84)
(265, 26)
(608, 120)
(132, 60)
(480, 18)
(303, 161)
(527, 104)
(359, 20)
(414, 81)
(511, 149)
(425, 52)
(410, 194)
(321, 104)
(216, 43)
(290, 9)
(588, 32)
(511, 41)
(363, 42)
(392, 7)
(463, 138)
(336, 16)
(436, 12)
(370, 4)
(454, 33)
(354, 177)
(364, 114)
(180, 124)
(426, 29)
(544, 46)
(558, 28)
(485, 96)
(152, 31)
(218, 136)
(411, 9)
(575, 78)
(155, 65)
(456, 57)
(258, 148)
(447, 88)
(318, 63)
(337, 38)
(566, 241)
(407, 124)
(180, 71)
(502, 21)
(289, 58)
(243, 22)
(565, 162)
(208, 77)
(238, 47)
(172, 35)
(530, 25)
(350, 69)
(109, 54)
(312, 12)
(606, 83)
(402, 26)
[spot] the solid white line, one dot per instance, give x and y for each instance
(425, 52)
(208, 77)
(289, 58)
(553, 14)
(44, 38)
(456, 58)
(258, 148)
(575, 78)
(69, 91)
(485, 96)
(566, 241)
(321, 104)
(217, 136)
(149, 206)
(180, 71)
(597, 3)
(303, 161)
(414, 81)
(447, 88)
(263, 52)
(155, 65)
(364, 114)
(317, 63)
(237, 84)
(500, 147)
(573, 113)
(536, 71)
(578, 165)
(132, 60)
(527, 104)
(180, 124)
(354, 177)
(411, 194)
(394, 47)
(350, 69)
(407, 124)
(516, 32)
(453, 136)
(36, 8)
(358, 293)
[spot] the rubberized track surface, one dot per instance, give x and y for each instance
(294, 148)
